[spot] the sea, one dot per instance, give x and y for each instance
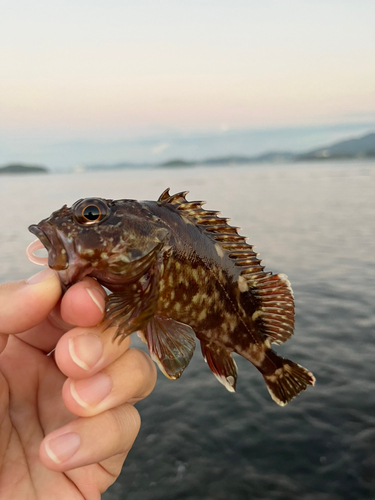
(314, 222)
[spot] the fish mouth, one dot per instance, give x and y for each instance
(57, 255)
(62, 255)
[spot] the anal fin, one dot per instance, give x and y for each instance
(221, 364)
(171, 345)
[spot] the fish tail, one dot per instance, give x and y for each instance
(287, 380)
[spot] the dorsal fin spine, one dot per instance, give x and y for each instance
(192, 206)
(164, 195)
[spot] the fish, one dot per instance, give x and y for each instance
(177, 272)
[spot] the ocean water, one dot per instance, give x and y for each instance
(314, 222)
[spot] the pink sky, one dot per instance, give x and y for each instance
(104, 69)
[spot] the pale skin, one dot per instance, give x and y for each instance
(67, 421)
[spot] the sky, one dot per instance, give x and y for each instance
(100, 73)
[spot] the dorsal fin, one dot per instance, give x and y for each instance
(174, 199)
(273, 294)
(215, 227)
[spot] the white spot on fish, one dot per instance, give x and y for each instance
(242, 284)
(256, 315)
(277, 374)
(284, 279)
(202, 315)
(223, 380)
(195, 299)
(187, 221)
(219, 250)
(256, 353)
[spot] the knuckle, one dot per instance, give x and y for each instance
(143, 372)
(143, 369)
(125, 422)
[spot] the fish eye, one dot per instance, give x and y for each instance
(90, 211)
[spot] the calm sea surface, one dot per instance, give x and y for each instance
(316, 223)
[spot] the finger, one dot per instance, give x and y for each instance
(24, 304)
(84, 303)
(45, 335)
(129, 379)
(88, 441)
(82, 352)
(3, 342)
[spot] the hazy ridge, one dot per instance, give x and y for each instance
(350, 149)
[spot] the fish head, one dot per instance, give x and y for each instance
(113, 241)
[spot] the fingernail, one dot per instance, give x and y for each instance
(42, 276)
(90, 392)
(61, 448)
(85, 350)
(97, 298)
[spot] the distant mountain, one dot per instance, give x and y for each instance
(114, 166)
(19, 168)
(361, 147)
(177, 163)
(275, 156)
(272, 156)
(227, 160)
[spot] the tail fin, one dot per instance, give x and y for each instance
(288, 381)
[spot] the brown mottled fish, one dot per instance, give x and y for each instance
(176, 272)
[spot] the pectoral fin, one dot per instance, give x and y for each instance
(131, 309)
(221, 364)
(171, 345)
(131, 268)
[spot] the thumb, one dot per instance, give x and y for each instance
(25, 304)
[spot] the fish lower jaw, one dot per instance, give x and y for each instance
(73, 274)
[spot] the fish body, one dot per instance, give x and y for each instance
(178, 272)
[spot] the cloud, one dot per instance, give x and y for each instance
(160, 148)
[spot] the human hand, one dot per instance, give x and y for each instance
(67, 420)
